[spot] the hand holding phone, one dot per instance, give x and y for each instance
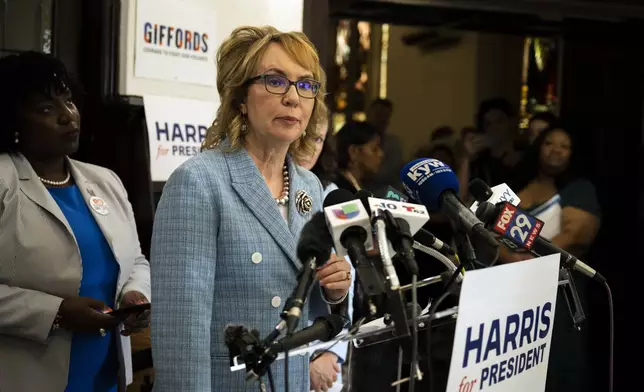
(127, 311)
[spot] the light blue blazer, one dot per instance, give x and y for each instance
(222, 254)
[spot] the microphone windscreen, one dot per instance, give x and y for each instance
(391, 193)
(425, 179)
(338, 196)
(335, 323)
(480, 190)
(363, 195)
(315, 240)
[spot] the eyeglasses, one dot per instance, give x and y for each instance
(279, 85)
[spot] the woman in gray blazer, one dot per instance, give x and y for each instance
(68, 244)
(227, 224)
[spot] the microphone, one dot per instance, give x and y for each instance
(397, 222)
(520, 229)
(434, 184)
(423, 236)
(390, 193)
(349, 224)
(323, 329)
(313, 249)
(482, 192)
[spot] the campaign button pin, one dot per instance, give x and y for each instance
(99, 205)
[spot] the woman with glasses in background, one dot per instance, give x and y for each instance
(229, 219)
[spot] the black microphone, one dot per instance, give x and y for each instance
(313, 249)
(323, 329)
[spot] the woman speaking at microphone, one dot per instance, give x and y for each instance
(229, 219)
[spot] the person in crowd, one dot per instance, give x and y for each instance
(379, 115)
(493, 150)
(69, 250)
(326, 366)
(539, 123)
(442, 133)
(228, 222)
(359, 155)
(567, 204)
(324, 161)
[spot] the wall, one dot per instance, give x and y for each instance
(24, 23)
(444, 87)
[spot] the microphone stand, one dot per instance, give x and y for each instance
(368, 334)
(571, 296)
(465, 249)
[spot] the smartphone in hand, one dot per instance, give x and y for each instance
(125, 312)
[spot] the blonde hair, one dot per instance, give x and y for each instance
(237, 60)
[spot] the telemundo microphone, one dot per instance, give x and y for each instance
(435, 185)
(521, 230)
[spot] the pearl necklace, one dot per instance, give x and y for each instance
(57, 183)
(283, 199)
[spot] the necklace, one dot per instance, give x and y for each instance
(352, 180)
(57, 183)
(283, 199)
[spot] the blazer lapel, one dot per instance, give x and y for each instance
(248, 182)
(89, 189)
(35, 190)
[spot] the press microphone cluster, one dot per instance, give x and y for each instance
(518, 229)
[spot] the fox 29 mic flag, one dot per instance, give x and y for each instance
(504, 327)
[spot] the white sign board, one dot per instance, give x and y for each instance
(176, 128)
(175, 42)
(504, 327)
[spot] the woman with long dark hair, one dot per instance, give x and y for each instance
(555, 193)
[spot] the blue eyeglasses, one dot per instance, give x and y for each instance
(279, 85)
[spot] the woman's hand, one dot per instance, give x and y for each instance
(335, 277)
(82, 314)
(135, 322)
(324, 372)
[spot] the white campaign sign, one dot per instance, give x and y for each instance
(504, 327)
(175, 42)
(176, 128)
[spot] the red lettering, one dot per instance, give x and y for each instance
(501, 224)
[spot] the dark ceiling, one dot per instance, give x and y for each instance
(538, 17)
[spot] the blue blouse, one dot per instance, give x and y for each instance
(93, 363)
